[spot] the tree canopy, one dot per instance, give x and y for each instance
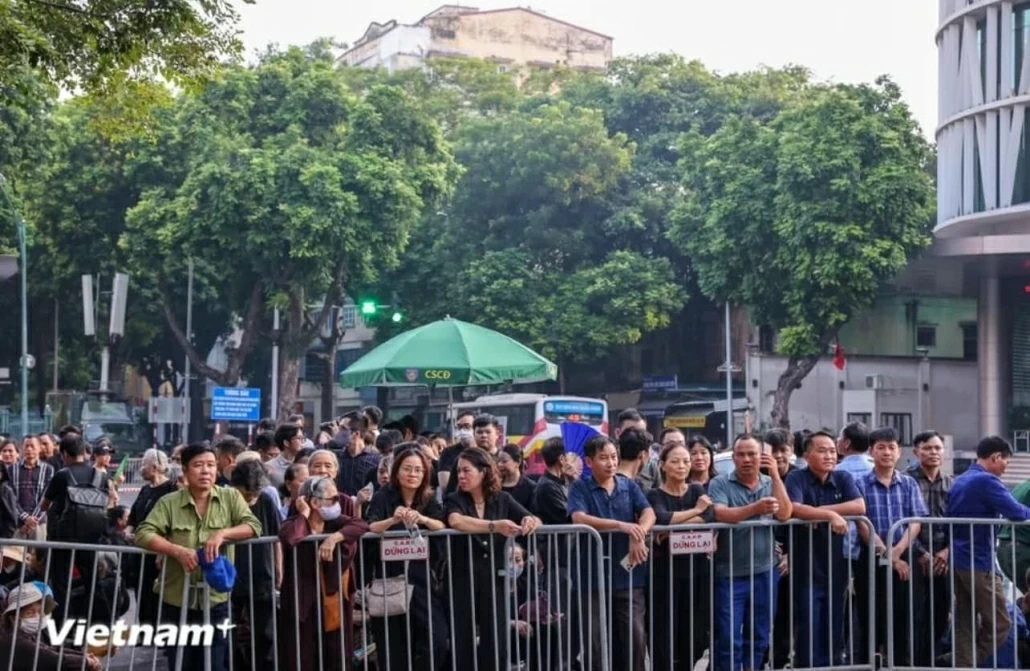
(803, 218)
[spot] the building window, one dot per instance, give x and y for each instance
(901, 422)
(969, 343)
(350, 316)
(312, 368)
(926, 336)
(863, 417)
(766, 340)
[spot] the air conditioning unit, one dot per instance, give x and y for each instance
(874, 382)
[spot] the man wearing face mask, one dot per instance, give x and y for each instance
(28, 609)
(463, 437)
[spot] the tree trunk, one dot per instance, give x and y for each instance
(292, 349)
(798, 367)
(329, 380)
(236, 355)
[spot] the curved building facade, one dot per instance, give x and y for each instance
(983, 189)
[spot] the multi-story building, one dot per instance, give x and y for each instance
(515, 38)
(983, 191)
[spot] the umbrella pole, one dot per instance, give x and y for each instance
(450, 409)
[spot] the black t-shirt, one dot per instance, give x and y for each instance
(381, 507)
(255, 564)
(146, 499)
(522, 491)
(449, 457)
(551, 500)
(665, 504)
(57, 492)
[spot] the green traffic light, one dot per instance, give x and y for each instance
(397, 317)
(368, 307)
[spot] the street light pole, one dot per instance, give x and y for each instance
(23, 263)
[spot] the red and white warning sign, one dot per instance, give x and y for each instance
(691, 542)
(404, 549)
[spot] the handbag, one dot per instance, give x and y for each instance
(386, 597)
(331, 604)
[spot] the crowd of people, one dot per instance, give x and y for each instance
(807, 530)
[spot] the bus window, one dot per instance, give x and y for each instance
(520, 418)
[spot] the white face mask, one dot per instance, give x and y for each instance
(31, 625)
(10, 568)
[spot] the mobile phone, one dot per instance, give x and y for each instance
(626, 563)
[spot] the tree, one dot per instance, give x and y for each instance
(287, 187)
(98, 45)
(804, 218)
(524, 246)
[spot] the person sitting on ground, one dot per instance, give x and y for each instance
(28, 609)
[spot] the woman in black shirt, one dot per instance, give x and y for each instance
(479, 563)
(510, 466)
(680, 589)
(407, 502)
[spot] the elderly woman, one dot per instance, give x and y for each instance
(28, 608)
(316, 574)
(406, 502)
(323, 463)
(200, 515)
(482, 508)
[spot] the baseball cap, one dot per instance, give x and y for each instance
(219, 574)
(28, 594)
(102, 447)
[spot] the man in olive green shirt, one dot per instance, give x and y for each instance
(174, 518)
(200, 515)
(1022, 542)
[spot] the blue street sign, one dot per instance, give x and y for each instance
(236, 404)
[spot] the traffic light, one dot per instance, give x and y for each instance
(368, 307)
(397, 317)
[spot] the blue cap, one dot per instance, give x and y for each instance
(219, 574)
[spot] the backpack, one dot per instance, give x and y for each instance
(84, 518)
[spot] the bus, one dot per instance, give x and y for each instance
(527, 420)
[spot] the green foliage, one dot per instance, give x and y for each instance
(803, 219)
(101, 44)
(526, 247)
(285, 184)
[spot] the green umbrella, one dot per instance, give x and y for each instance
(448, 353)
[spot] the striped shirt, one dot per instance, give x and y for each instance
(886, 504)
(30, 484)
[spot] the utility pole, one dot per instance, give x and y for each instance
(729, 382)
(23, 259)
(57, 343)
(275, 366)
(186, 365)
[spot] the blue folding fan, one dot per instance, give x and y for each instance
(575, 435)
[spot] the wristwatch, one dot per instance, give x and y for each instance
(490, 527)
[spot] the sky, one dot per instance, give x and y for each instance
(838, 40)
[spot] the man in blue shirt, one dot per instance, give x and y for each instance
(891, 496)
(853, 448)
(745, 581)
(615, 506)
(819, 569)
(980, 493)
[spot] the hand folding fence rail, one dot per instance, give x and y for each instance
(713, 596)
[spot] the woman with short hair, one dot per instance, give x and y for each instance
(313, 571)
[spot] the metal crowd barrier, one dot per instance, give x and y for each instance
(957, 618)
(451, 601)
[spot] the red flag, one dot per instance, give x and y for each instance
(838, 356)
